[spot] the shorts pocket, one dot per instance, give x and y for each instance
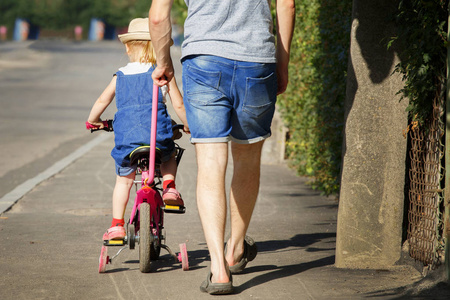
(201, 81)
(260, 95)
(201, 86)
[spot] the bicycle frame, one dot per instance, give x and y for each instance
(151, 214)
(151, 196)
(148, 193)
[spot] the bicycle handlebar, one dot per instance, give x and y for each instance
(178, 127)
(107, 126)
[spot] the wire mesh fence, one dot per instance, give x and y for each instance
(425, 212)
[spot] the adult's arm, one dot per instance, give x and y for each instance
(285, 28)
(161, 34)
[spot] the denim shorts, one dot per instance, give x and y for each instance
(228, 100)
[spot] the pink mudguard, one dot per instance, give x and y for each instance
(149, 195)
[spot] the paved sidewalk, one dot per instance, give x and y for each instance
(51, 239)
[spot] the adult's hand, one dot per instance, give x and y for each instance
(162, 76)
(282, 79)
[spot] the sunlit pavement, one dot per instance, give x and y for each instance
(50, 239)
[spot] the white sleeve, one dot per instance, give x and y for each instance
(165, 93)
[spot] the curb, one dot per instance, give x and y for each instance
(11, 198)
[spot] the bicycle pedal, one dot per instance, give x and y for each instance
(114, 242)
(174, 209)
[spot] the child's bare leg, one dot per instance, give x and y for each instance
(121, 194)
(120, 199)
(169, 169)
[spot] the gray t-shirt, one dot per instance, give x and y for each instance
(234, 29)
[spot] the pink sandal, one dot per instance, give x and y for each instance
(172, 197)
(114, 233)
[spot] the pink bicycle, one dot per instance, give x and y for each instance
(146, 224)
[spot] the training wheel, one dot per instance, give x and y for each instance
(103, 260)
(183, 257)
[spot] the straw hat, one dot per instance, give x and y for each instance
(137, 31)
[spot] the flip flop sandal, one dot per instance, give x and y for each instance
(216, 288)
(250, 251)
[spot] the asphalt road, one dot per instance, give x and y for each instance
(47, 89)
(50, 239)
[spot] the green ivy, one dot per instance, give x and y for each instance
(313, 106)
(422, 46)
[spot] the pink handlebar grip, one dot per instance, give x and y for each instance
(91, 126)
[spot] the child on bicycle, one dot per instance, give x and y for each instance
(132, 87)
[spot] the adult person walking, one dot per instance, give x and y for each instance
(232, 73)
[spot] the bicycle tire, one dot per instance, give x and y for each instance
(145, 238)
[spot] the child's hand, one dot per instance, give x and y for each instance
(97, 124)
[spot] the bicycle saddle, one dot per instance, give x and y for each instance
(143, 152)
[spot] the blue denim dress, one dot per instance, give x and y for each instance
(132, 120)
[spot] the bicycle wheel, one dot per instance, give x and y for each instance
(145, 238)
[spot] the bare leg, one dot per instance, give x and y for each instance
(121, 194)
(212, 162)
(169, 169)
(244, 192)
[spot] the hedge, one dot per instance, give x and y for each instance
(313, 106)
